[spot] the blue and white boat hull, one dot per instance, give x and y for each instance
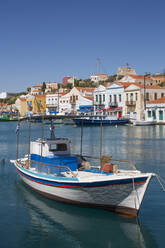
(120, 193)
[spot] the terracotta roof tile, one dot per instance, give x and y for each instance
(85, 89)
(160, 100)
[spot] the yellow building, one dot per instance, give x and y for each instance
(36, 104)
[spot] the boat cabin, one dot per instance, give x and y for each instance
(50, 147)
(54, 152)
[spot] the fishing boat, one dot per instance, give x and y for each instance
(104, 117)
(53, 171)
(97, 120)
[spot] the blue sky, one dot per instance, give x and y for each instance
(44, 40)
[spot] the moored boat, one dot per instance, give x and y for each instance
(97, 120)
(144, 123)
(53, 171)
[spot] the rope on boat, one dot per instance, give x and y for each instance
(159, 180)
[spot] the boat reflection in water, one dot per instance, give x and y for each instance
(71, 226)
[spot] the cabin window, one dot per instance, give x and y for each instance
(58, 147)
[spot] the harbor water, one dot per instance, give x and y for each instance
(29, 220)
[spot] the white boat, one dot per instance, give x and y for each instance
(144, 123)
(51, 170)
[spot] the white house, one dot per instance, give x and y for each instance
(155, 110)
(76, 98)
(111, 96)
(100, 97)
(53, 102)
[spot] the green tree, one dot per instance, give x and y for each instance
(43, 87)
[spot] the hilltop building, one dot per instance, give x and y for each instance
(138, 79)
(98, 77)
(122, 71)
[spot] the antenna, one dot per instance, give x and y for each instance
(98, 65)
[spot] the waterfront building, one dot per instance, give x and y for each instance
(35, 104)
(155, 110)
(135, 102)
(71, 102)
(53, 102)
(110, 97)
(21, 106)
(100, 98)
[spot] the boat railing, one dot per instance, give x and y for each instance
(28, 165)
(111, 160)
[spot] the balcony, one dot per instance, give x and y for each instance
(130, 103)
(113, 104)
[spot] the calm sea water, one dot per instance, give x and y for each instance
(28, 220)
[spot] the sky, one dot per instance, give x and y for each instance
(45, 40)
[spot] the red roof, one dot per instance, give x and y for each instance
(147, 86)
(85, 89)
(140, 77)
(160, 100)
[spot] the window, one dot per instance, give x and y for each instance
(76, 97)
(100, 98)
(110, 98)
(127, 97)
(96, 98)
(136, 95)
(103, 98)
(57, 147)
(131, 97)
(149, 114)
(155, 96)
(115, 99)
(147, 96)
(162, 94)
(120, 98)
